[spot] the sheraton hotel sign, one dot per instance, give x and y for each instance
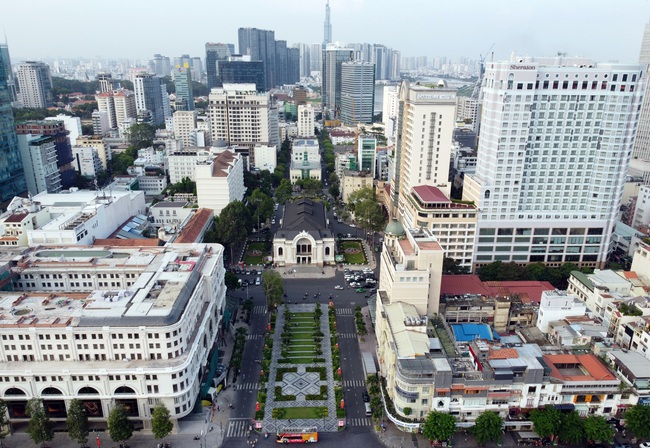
(522, 67)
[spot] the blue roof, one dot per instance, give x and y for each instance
(469, 332)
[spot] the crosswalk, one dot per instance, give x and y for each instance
(238, 427)
(354, 383)
(346, 335)
(259, 309)
(344, 311)
(247, 386)
(359, 421)
(254, 336)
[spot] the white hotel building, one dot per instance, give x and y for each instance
(556, 140)
(111, 325)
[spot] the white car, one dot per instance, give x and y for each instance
(338, 287)
(352, 225)
(644, 445)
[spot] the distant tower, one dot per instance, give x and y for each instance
(11, 82)
(327, 37)
(35, 83)
(183, 83)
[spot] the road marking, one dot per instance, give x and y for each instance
(354, 383)
(346, 335)
(359, 421)
(238, 428)
(344, 311)
(247, 386)
(254, 336)
(259, 309)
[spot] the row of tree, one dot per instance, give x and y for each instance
(441, 427)
(368, 214)
(568, 427)
(558, 277)
(120, 428)
(328, 151)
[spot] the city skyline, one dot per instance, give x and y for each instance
(604, 32)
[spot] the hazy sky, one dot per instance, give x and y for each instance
(604, 30)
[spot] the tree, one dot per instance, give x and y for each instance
(77, 422)
(4, 420)
(334, 190)
(273, 287)
(359, 196)
(439, 426)
(120, 428)
(161, 423)
(547, 422)
(260, 206)
(453, 267)
(186, 185)
(637, 421)
(39, 427)
(233, 224)
(573, 428)
(370, 216)
(231, 281)
(488, 427)
(283, 191)
(141, 135)
(598, 430)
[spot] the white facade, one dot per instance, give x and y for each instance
(38, 154)
(557, 305)
(127, 330)
(305, 160)
(100, 123)
(103, 149)
(390, 108)
(106, 105)
(167, 213)
(556, 140)
(306, 120)
(182, 163)
(184, 124)
(35, 83)
(426, 121)
(125, 109)
(152, 185)
(220, 181)
(357, 92)
(86, 161)
(642, 210)
(240, 116)
(467, 111)
(266, 157)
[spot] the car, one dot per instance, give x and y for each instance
(273, 221)
(360, 290)
(259, 272)
(355, 285)
(258, 281)
(352, 225)
(644, 445)
(349, 235)
(338, 287)
(365, 397)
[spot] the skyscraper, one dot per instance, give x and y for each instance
(357, 92)
(240, 69)
(260, 45)
(12, 177)
(183, 84)
(161, 65)
(105, 82)
(556, 140)
(149, 96)
(327, 27)
(315, 57)
(35, 83)
(305, 59)
(213, 54)
(333, 57)
(11, 82)
(640, 163)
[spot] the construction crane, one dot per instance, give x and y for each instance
(481, 71)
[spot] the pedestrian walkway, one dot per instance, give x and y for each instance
(259, 309)
(366, 421)
(247, 386)
(354, 383)
(238, 427)
(254, 336)
(345, 312)
(346, 335)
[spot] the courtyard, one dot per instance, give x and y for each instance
(353, 252)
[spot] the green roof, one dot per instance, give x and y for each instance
(582, 278)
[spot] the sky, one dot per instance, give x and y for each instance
(604, 30)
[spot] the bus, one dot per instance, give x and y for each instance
(297, 435)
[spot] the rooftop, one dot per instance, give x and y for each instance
(568, 367)
(195, 226)
(428, 193)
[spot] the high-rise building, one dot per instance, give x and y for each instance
(315, 57)
(184, 125)
(105, 82)
(12, 176)
(425, 123)
(241, 116)
(305, 59)
(293, 66)
(100, 122)
(183, 84)
(640, 163)
(149, 96)
(161, 65)
(367, 153)
(125, 108)
(327, 27)
(35, 84)
(240, 69)
(56, 129)
(556, 141)
(11, 81)
(197, 69)
(305, 120)
(214, 53)
(333, 57)
(357, 92)
(260, 46)
(38, 154)
(106, 105)
(389, 112)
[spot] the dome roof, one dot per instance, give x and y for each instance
(394, 228)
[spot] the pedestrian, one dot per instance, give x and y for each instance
(218, 408)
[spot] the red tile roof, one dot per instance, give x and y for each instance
(592, 369)
(130, 242)
(428, 193)
(222, 164)
(528, 290)
(458, 285)
(195, 226)
(16, 217)
(503, 353)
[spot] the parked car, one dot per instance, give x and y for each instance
(338, 287)
(365, 397)
(355, 285)
(258, 281)
(360, 290)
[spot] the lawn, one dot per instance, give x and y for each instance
(352, 251)
(302, 412)
(255, 253)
